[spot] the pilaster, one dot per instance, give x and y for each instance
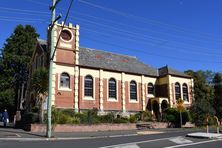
(123, 92)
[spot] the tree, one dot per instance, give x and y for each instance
(39, 84)
(203, 95)
(15, 59)
(217, 101)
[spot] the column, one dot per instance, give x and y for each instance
(101, 89)
(143, 93)
(123, 92)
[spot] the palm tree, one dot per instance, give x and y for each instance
(39, 84)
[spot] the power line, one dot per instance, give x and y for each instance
(19, 18)
(10, 20)
(22, 10)
(57, 43)
(142, 37)
(147, 43)
(7, 9)
(25, 13)
(149, 53)
(144, 29)
(145, 20)
(39, 3)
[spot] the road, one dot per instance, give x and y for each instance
(162, 140)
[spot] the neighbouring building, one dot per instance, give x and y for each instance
(85, 78)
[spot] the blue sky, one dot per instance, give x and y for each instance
(184, 34)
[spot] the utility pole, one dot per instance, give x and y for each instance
(52, 54)
(52, 48)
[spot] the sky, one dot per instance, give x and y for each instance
(183, 34)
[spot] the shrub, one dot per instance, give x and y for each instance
(69, 112)
(144, 116)
(75, 120)
(121, 120)
(30, 117)
(108, 118)
(132, 119)
(173, 116)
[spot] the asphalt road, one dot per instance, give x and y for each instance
(167, 140)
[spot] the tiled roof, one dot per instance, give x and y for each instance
(122, 63)
(107, 60)
(168, 70)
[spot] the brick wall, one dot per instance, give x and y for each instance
(64, 99)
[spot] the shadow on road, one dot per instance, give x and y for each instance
(11, 129)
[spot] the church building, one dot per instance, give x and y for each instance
(85, 78)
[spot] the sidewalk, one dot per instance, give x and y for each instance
(19, 134)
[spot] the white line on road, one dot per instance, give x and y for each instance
(196, 143)
(135, 143)
(180, 140)
(128, 146)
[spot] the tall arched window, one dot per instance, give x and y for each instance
(112, 88)
(150, 88)
(185, 92)
(88, 86)
(177, 91)
(65, 80)
(133, 91)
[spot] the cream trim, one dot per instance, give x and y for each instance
(64, 88)
(143, 93)
(76, 88)
(70, 31)
(101, 89)
(123, 92)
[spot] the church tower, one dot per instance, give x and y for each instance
(65, 66)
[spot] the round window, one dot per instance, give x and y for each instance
(66, 35)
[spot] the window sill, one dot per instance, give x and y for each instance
(113, 100)
(133, 101)
(150, 95)
(88, 98)
(186, 102)
(65, 89)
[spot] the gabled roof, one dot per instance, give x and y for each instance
(111, 61)
(166, 70)
(43, 44)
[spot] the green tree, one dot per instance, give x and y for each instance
(217, 102)
(15, 59)
(203, 97)
(39, 84)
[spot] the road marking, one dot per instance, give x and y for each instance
(180, 140)
(135, 143)
(149, 132)
(189, 144)
(128, 146)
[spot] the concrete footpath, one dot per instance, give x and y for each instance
(19, 134)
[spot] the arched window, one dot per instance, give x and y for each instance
(88, 86)
(112, 88)
(150, 88)
(65, 80)
(185, 92)
(177, 91)
(133, 91)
